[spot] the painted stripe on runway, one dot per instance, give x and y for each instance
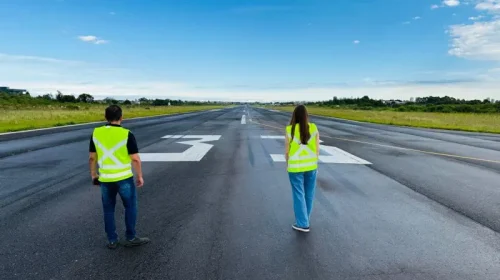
(272, 136)
(278, 157)
(243, 119)
(340, 156)
(278, 137)
(396, 147)
(196, 152)
(335, 155)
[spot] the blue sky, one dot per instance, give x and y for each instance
(252, 50)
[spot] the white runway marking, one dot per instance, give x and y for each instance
(335, 155)
(194, 153)
(243, 119)
(272, 137)
(278, 137)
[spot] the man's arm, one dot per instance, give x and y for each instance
(136, 163)
(133, 151)
(92, 159)
(93, 164)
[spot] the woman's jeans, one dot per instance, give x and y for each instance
(128, 194)
(303, 188)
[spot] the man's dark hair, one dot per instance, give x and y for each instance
(113, 113)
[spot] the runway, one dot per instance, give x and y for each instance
(391, 203)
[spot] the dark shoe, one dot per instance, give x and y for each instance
(113, 245)
(297, 228)
(136, 242)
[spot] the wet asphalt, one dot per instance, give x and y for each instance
(427, 207)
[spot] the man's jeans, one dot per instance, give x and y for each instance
(303, 188)
(128, 194)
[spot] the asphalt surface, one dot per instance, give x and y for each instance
(399, 203)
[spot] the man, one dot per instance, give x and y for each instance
(115, 150)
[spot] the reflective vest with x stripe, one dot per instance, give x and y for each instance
(112, 154)
(302, 158)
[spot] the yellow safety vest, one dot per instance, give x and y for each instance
(302, 158)
(112, 154)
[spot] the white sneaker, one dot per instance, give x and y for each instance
(297, 228)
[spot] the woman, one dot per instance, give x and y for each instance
(301, 153)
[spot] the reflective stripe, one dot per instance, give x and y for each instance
(297, 156)
(109, 153)
(115, 166)
(300, 165)
(298, 141)
(302, 157)
(116, 175)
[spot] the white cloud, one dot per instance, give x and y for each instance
(451, 3)
(406, 22)
(356, 42)
(492, 6)
(476, 18)
(92, 39)
(98, 42)
(9, 58)
(447, 3)
(417, 18)
(42, 75)
(87, 38)
(112, 13)
(480, 40)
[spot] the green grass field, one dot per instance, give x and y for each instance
(50, 116)
(452, 121)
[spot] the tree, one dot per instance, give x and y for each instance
(69, 98)
(59, 96)
(127, 102)
(48, 96)
(85, 98)
(109, 100)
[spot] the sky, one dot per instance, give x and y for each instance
(265, 50)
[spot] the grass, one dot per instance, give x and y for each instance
(451, 121)
(51, 116)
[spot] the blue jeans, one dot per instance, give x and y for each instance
(128, 194)
(303, 188)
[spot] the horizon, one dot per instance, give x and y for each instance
(136, 98)
(225, 50)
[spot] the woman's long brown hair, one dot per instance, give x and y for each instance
(301, 117)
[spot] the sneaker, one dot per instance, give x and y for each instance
(112, 245)
(297, 228)
(136, 242)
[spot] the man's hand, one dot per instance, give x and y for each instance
(140, 182)
(95, 180)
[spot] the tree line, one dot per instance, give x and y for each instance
(444, 104)
(9, 98)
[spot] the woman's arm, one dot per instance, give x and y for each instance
(317, 144)
(287, 147)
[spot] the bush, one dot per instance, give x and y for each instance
(72, 107)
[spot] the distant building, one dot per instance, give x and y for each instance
(392, 101)
(12, 90)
